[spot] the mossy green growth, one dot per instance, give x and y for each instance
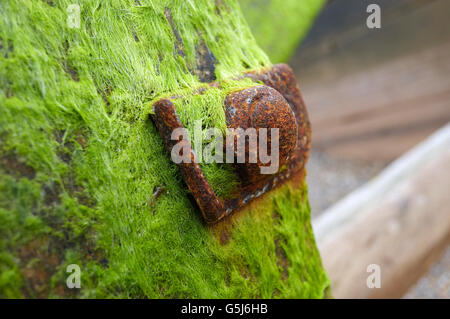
(279, 25)
(273, 248)
(80, 159)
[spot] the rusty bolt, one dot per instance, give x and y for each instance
(261, 107)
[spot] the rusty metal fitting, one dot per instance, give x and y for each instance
(167, 121)
(260, 107)
(276, 104)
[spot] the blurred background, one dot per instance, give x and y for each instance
(373, 94)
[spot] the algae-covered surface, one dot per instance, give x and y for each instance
(80, 160)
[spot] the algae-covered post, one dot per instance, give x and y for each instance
(80, 159)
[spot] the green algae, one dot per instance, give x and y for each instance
(79, 158)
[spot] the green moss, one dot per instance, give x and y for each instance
(80, 158)
(273, 248)
(279, 25)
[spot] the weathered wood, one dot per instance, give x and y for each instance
(399, 221)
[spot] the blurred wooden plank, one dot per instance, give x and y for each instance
(409, 95)
(368, 149)
(399, 221)
(375, 94)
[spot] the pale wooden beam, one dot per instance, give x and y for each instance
(399, 221)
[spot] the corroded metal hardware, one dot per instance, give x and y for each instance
(261, 107)
(275, 104)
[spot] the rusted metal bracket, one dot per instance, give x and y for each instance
(276, 104)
